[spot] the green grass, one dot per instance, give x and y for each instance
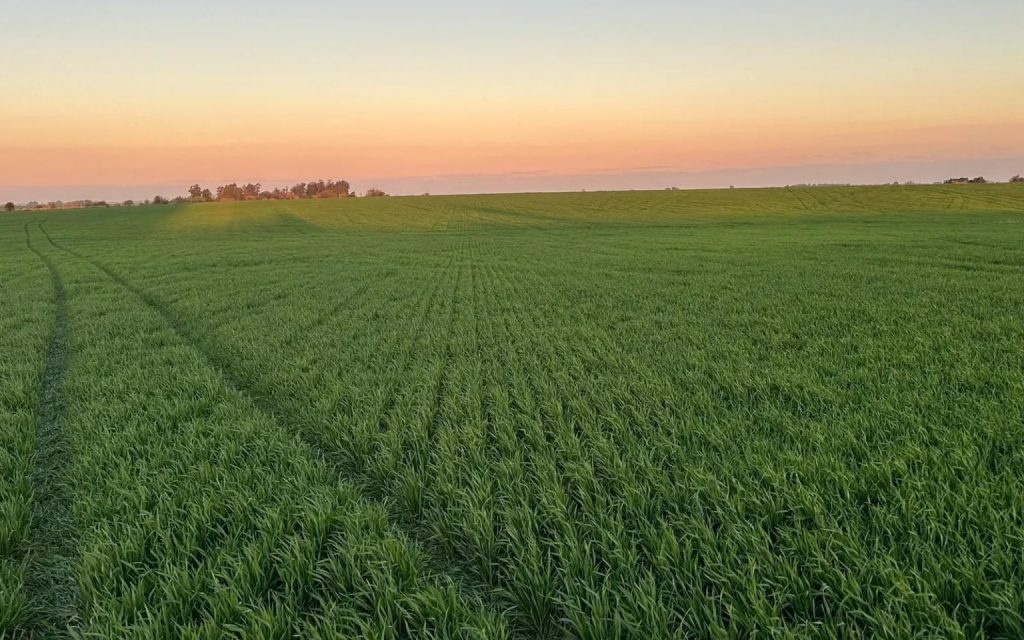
(778, 412)
(25, 324)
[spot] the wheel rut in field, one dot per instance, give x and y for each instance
(469, 586)
(49, 582)
(801, 200)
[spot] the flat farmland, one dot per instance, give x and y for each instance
(778, 412)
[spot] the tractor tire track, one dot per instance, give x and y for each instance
(49, 580)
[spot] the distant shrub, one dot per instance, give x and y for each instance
(375, 193)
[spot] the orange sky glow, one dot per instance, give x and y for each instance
(547, 98)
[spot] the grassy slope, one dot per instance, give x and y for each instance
(660, 412)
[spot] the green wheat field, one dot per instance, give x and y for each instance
(694, 414)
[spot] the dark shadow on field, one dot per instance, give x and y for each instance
(296, 222)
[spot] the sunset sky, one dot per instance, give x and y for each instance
(115, 97)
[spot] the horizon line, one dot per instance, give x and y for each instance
(749, 177)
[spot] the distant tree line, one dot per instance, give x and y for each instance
(303, 191)
(55, 204)
(255, 191)
(1017, 179)
(227, 192)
